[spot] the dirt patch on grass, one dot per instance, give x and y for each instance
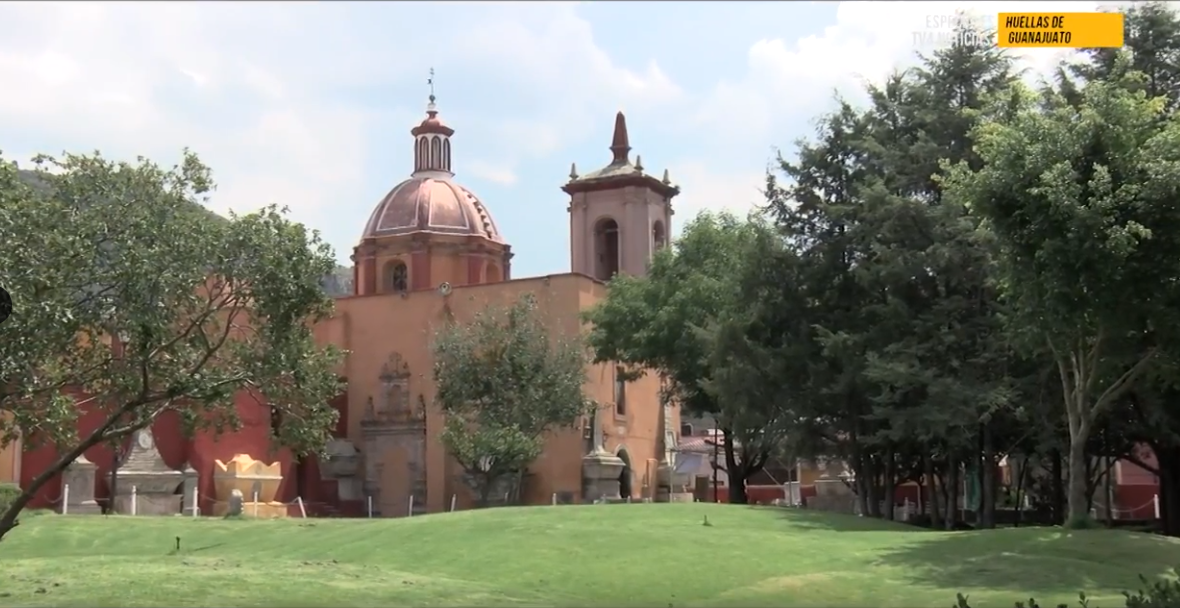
(779, 584)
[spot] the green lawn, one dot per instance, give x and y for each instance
(657, 555)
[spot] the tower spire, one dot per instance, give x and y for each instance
(620, 146)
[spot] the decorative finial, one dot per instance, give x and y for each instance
(638, 163)
(667, 179)
(573, 171)
(430, 81)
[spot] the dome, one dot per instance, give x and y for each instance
(431, 204)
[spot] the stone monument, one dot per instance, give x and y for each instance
(393, 440)
(153, 483)
(600, 469)
(79, 478)
(254, 480)
(343, 464)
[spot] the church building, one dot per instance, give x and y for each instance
(430, 254)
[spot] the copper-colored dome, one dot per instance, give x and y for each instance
(429, 204)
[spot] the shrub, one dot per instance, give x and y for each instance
(1158, 594)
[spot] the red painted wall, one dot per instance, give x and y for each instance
(1135, 501)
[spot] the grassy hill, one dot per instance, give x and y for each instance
(617, 555)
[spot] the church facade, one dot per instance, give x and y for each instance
(430, 254)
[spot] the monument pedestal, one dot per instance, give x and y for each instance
(145, 484)
(79, 478)
(600, 475)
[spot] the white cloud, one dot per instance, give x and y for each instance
(703, 187)
(494, 173)
(264, 92)
(789, 82)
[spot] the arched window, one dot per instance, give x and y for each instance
(620, 391)
(494, 274)
(435, 152)
(446, 155)
(606, 249)
(398, 277)
(659, 236)
(423, 154)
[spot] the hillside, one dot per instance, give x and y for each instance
(632, 555)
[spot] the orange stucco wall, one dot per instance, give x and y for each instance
(372, 328)
(10, 461)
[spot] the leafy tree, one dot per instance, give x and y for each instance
(505, 380)
(1153, 48)
(656, 322)
(1152, 35)
(1079, 195)
(910, 374)
(130, 301)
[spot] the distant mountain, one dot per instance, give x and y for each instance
(339, 283)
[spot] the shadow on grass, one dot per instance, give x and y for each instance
(197, 550)
(839, 522)
(1027, 560)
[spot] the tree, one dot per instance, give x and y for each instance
(758, 354)
(910, 370)
(1079, 194)
(131, 301)
(504, 381)
(655, 323)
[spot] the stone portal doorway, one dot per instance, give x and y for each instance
(625, 475)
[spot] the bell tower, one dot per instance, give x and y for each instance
(619, 215)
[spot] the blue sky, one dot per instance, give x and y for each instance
(309, 105)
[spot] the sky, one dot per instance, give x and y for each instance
(309, 105)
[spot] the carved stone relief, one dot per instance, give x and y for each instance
(393, 434)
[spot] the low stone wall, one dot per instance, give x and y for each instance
(833, 503)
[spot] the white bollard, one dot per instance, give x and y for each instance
(555, 499)
(196, 502)
(134, 499)
(65, 499)
(302, 509)
(453, 496)
(410, 506)
(628, 500)
(1155, 502)
(370, 499)
(255, 504)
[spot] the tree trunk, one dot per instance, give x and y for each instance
(986, 516)
(734, 471)
(890, 490)
(1168, 460)
(1058, 487)
(1108, 491)
(954, 479)
(932, 493)
(1077, 499)
(872, 487)
(1020, 490)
